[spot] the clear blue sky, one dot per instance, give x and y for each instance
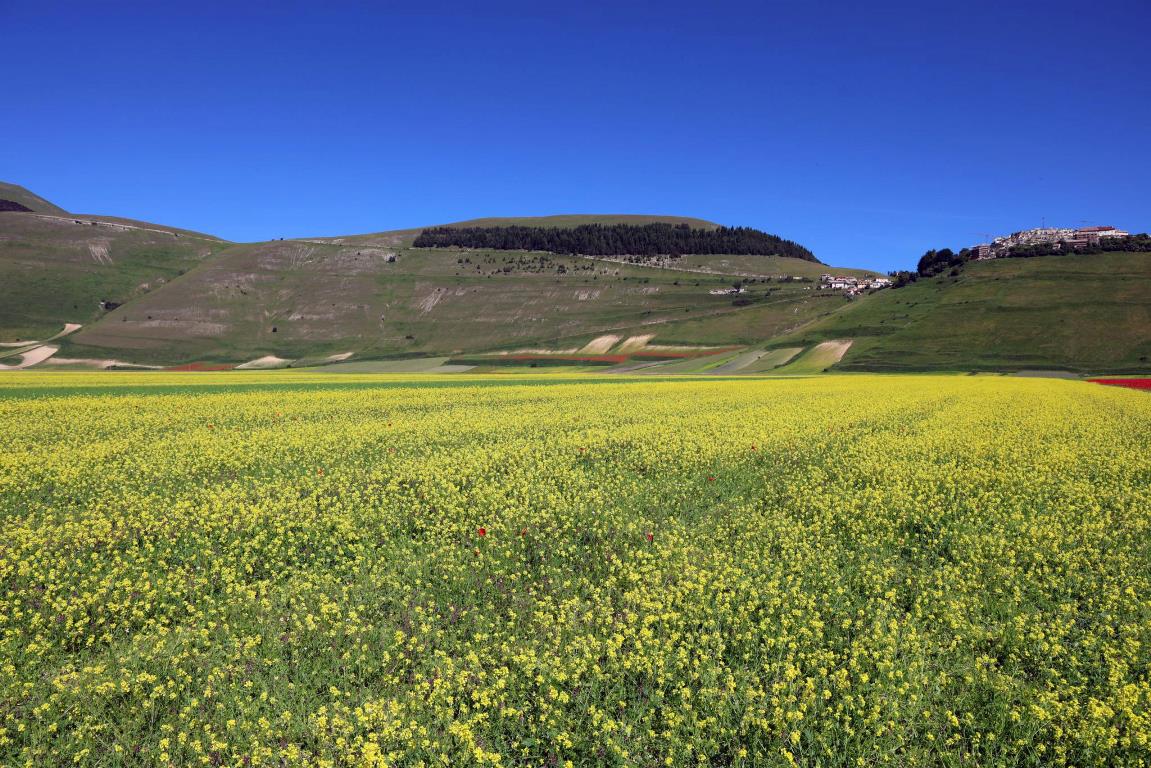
(867, 131)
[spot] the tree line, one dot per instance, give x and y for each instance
(617, 240)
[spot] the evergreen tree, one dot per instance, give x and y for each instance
(617, 240)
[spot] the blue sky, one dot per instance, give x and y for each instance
(866, 131)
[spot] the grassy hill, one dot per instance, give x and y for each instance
(762, 266)
(190, 297)
(308, 298)
(1085, 313)
(185, 296)
(33, 202)
(57, 269)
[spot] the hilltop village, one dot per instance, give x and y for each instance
(1056, 237)
(852, 286)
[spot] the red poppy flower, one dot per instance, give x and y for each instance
(711, 478)
(650, 537)
(482, 531)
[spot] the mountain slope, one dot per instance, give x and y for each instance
(32, 202)
(1086, 313)
(183, 296)
(307, 298)
(57, 269)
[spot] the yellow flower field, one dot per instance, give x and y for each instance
(300, 569)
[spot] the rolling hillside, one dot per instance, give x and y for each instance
(1083, 313)
(185, 297)
(182, 297)
(32, 202)
(56, 269)
(307, 298)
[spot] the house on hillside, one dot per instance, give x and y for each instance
(1058, 238)
(1085, 236)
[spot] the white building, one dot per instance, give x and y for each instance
(1075, 238)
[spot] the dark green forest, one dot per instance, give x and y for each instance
(617, 240)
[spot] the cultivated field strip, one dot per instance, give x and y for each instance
(293, 569)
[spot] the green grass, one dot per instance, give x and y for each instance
(161, 228)
(738, 362)
(50, 275)
(412, 365)
(324, 298)
(30, 200)
(537, 370)
(692, 365)
(188, 297)
(6, 352)
(765, 266)
(772, 359)
(786, 308)
(817, 359)
(1084, 313)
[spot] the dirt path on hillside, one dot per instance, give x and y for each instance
(119, 225)
(601, 344)
(68, 328)
(689, 270)
(95, 364)
(817, 359)
(32, 357)
(635, 343)
(264, 363)
(835, 350)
